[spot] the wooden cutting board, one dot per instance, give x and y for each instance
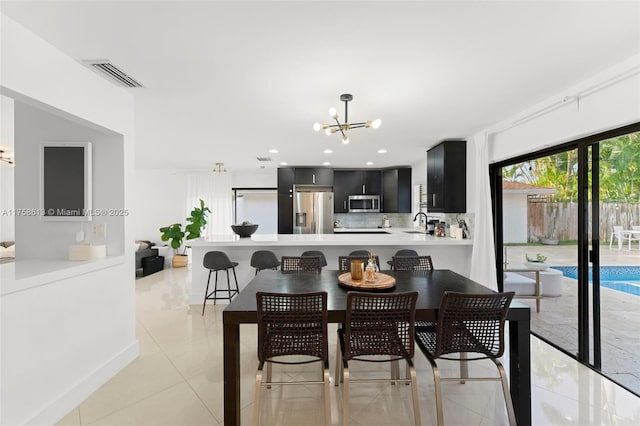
(382, 282)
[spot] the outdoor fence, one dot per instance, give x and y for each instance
(560, 220)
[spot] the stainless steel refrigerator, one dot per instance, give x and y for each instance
(312, 211)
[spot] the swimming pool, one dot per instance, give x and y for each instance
(621, 278)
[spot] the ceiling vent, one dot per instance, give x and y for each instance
(105, 67)
(264, 159)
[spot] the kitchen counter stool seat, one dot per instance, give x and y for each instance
(402, 252)
(264, 259)
(219, 261)
(323, 260)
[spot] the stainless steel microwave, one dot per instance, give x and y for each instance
(364, 204)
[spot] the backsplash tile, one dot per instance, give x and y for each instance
(399, 220)
(373, 220)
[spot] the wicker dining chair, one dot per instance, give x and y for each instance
(297, 264)
(468, 323)
(292, 324)
(415, 264)
(378, 328)
(344, 262)
(402, 252)
(412, 263)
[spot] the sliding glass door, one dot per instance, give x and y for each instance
(539, 217)
(614, 247)
(576, 208)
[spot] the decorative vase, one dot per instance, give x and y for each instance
(180, 260)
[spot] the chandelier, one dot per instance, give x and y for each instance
(345, 126)
(5, 159)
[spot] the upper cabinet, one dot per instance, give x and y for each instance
(396, 190)
(313, 176)
(354, 182)
(447, 177)
(392, 184)
(285, 200)
(285, 181)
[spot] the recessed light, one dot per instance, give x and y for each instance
(369, 163)
(283, 163)
(328, 151)
(382, 151)
(326, 163)
(273, 151)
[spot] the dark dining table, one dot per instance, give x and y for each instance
(430, 285)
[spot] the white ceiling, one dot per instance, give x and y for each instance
(227, 81)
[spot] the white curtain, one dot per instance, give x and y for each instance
(215, 190)
(483, 258)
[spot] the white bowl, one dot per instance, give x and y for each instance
(537, 265)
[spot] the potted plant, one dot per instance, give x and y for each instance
(175, 235)
(197, 221)
(537, 262)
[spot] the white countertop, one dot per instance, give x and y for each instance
(343, 237)
(22, 275)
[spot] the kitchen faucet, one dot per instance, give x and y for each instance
(423, 214)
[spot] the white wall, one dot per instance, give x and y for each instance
(63, 339)
(615, 104)
(515, 218)
(41, 239)
(260, 208)
(160, 197)
(159, 200)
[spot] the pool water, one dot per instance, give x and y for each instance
(621, 278)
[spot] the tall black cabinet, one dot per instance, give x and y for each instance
(285, 200)
(447, 177)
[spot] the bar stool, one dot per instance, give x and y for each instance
(402, 252)
(323, 260)
(219, 261)
(264, 259)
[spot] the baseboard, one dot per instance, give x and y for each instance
(54, 411)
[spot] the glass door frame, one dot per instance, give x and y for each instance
(588, 250)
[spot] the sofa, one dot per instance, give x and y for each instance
(145, 249)
(7, 251)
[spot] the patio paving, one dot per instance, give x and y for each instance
(620, 319)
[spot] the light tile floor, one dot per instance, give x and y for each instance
(177, 380)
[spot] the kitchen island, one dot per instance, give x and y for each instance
(446, 252)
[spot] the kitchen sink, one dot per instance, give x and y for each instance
(362, 232)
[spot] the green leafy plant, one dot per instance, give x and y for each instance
(198, 221)
(538, 259)
(175, 234)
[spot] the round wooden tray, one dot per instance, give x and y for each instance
(382, 282)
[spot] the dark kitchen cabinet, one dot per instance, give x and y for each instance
(354, 182)
(341, 188)
(396, 190)
(285, 200)
(285, 214)
(285, 180)
(447, 177)
(371, 182)
(313, 176)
